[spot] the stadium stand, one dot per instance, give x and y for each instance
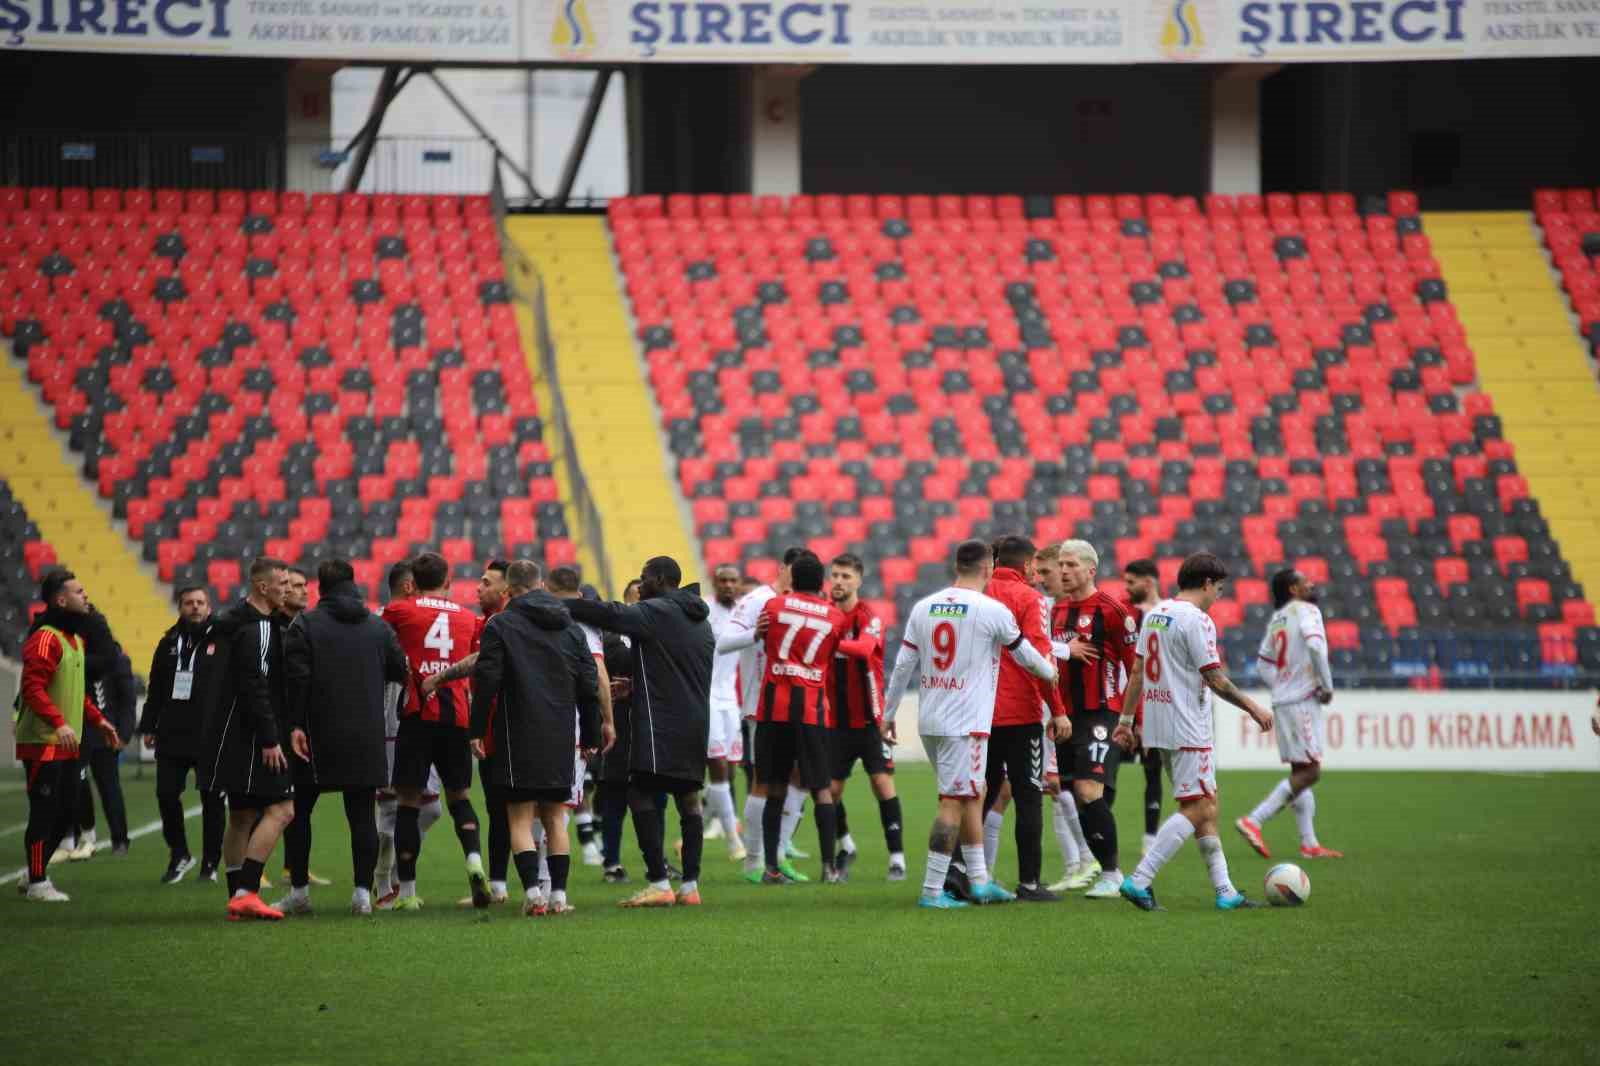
(607, 396)
(282, 373)
(43, 479)
(1277, 378)
(24, 557)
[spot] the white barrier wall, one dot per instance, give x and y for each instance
(1404, 730)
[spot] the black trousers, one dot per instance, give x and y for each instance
(53, 792)
(104, 770)
(360, 811)
(170, 777)
(1016, 754)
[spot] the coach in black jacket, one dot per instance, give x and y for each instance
(337, 660)
(241, 678)
(535, 706)
(171, 725)
(672, 650)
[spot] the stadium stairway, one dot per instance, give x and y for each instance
(1535, 365)
(63, 506)
(614, 421)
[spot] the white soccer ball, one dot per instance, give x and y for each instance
(1287, 885)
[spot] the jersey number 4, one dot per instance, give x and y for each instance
(796, 623)
(438, 638)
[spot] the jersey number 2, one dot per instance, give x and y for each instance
(438, 637)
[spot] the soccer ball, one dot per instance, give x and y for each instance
(1287, 885)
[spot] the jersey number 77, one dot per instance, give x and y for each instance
(795, 624)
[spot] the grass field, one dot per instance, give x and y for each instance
(1464, 927)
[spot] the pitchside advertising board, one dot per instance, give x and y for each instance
(1495, 731)
(815, 31)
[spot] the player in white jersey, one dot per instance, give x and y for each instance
(951, 646)
(1293, 661)
(1176, 670)
(739, 639)
(725, 742)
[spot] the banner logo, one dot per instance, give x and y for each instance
(1183, 29)
(572, 33)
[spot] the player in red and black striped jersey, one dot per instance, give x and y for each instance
(801, 631)
(857, 693)
(1142, 582)
(436, 634)
(1093, 631)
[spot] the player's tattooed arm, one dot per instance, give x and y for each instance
(942, 838)
(1218, 681)
(454, 672)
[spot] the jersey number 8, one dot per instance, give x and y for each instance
(1152, 660)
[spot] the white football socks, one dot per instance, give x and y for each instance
(1305, 816)
(1276, 800)
(977, 869)
(1216, 865)
(754, 847)
(993, 822)
(427, 814)
(383, 873)
(938, 868)
(1074, 824)
(1070, 855)
(1169, 839)
(794, 805)
(361, 898)
(386, 813)
(408, 888)
(719, 803)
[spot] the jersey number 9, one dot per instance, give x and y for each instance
(944, 646)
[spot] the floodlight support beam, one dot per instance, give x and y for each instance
(395, 78)
(500, 154)
(580, 143)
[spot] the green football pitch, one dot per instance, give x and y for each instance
(1464, 927)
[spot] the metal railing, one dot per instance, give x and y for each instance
(527, 287)
(398, 164)
(449, 164)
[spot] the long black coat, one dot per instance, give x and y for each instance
(535, 694)
(239, 680)
(107, 681)
(336, 661)
(672, 649)
(612, 766)
(177, 725)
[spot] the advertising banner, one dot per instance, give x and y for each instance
(334, 29)
(1495, 731)
(814, 31)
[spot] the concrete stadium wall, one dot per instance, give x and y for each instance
(1488, 730)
